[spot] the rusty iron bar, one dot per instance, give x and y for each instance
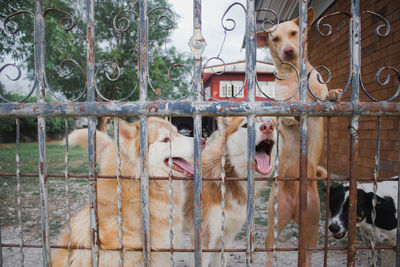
(144, 172)
(398, 201)
(40, 72)
(207, 250)
(302, 244)
(165, 178)
(251, 132)
(210, 108)
(197, 45)
(91, 97)
(328, 186)
(355, 61)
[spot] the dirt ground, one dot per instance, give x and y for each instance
(288, 238)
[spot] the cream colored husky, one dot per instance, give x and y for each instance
(236, 191)
(159, 152)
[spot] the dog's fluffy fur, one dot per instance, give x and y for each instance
(107, 198)
(283, 42)
(236, 191)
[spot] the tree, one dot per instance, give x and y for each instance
(66, 53)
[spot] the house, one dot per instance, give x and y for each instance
(227, 82)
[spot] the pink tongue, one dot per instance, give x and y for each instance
(183, 164)
(262, 162)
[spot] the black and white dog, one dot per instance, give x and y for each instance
(386, 211)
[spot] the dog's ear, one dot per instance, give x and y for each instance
(262, 39)
(310, 17)
(128, 137)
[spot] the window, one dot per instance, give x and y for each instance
(268, 88)
(231, 89)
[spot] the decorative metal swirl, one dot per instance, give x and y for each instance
(276, 75)
(173, 66)
(14, 28)
(380, 27)
(66, 71)
(328, 26)
(378, 80)
(122, 20)
(18, 76)
(227, 28)
(168, 21)
(114, 76)
(67, 22)
(319, 78)
(273, 23)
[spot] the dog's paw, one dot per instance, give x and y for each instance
(334, 95)
(289, 121)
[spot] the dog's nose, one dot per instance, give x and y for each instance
(203, 143)
(334, 228)
(289, 52)
(267, 128)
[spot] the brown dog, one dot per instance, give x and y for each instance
(283, 43)
(159, 139)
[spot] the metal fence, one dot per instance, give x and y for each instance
(197, 108)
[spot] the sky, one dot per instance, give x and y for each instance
(212, 30)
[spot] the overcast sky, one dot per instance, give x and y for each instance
(213, 32)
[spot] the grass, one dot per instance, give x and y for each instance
(30, 196)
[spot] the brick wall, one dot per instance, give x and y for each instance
(333, 52)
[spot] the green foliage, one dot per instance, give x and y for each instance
(117, 48)
(55, 126)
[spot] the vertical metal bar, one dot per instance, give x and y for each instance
(67, 189)
(197, 45)
(303, 133)
(223, 190)
(171, 195)
(119, 191)
(1, 250)
(250, 80)
(144, 174)
(19, 205)
(90, 58)
(355, 54)
(398, 201)
(197, 190)
(328, 186)
(375, 189)
(40, 61)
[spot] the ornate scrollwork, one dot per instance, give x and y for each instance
(67, 22)
(278, 77)
(120, 21)
(17, 77)
(165, 22)
(14, 26)
(269, 25)
(382, 26)
(387, 80)
(328, 26)
(66, 71)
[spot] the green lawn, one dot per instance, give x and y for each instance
(30, 196)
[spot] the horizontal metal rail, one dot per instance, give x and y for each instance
(189, 108)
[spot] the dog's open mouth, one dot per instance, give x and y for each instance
(263, 156)
(182, 166)
(339, 235)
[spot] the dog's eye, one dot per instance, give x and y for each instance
(275, 39)
(165, 140)
(293, 33)
(244, 125)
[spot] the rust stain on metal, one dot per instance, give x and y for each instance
(152, 107)
(91, 44)
(82, 108)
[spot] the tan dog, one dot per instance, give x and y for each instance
(236, 191)
(159, 153)
(283, 43)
